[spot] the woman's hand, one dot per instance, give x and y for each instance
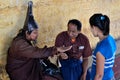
(63, 49)
(83, 77)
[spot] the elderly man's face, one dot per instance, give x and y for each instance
(72, 30)
(33, 35)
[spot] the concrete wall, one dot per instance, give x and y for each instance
(52, 17)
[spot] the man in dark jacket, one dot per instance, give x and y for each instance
(23, 56)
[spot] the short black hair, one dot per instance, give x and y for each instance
(101, 21)
(76, 22)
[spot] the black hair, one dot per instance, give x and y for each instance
(76, 22)
(101, 21)
(29, 27)
(21, 33)
(30, 23)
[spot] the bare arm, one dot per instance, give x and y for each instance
(85, 67)
(99, 66)
(23, 48)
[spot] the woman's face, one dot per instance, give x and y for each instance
(72, 30)
(33, 35)
(94, 31)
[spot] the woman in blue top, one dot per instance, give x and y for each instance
(104, 53)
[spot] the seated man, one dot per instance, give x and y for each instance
(72, 67)
(23, 56)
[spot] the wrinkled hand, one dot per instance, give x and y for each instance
(63, 49)
(63, 55)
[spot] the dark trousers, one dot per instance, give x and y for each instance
(72, 69)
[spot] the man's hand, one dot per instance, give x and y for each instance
(63, 55)
(63, 49)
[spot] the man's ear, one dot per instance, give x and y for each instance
(26, 33)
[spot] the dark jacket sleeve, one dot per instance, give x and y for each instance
(23, 49)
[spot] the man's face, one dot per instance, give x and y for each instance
(33, 35)
(72, 30)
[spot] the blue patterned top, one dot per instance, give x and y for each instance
(107, 47)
